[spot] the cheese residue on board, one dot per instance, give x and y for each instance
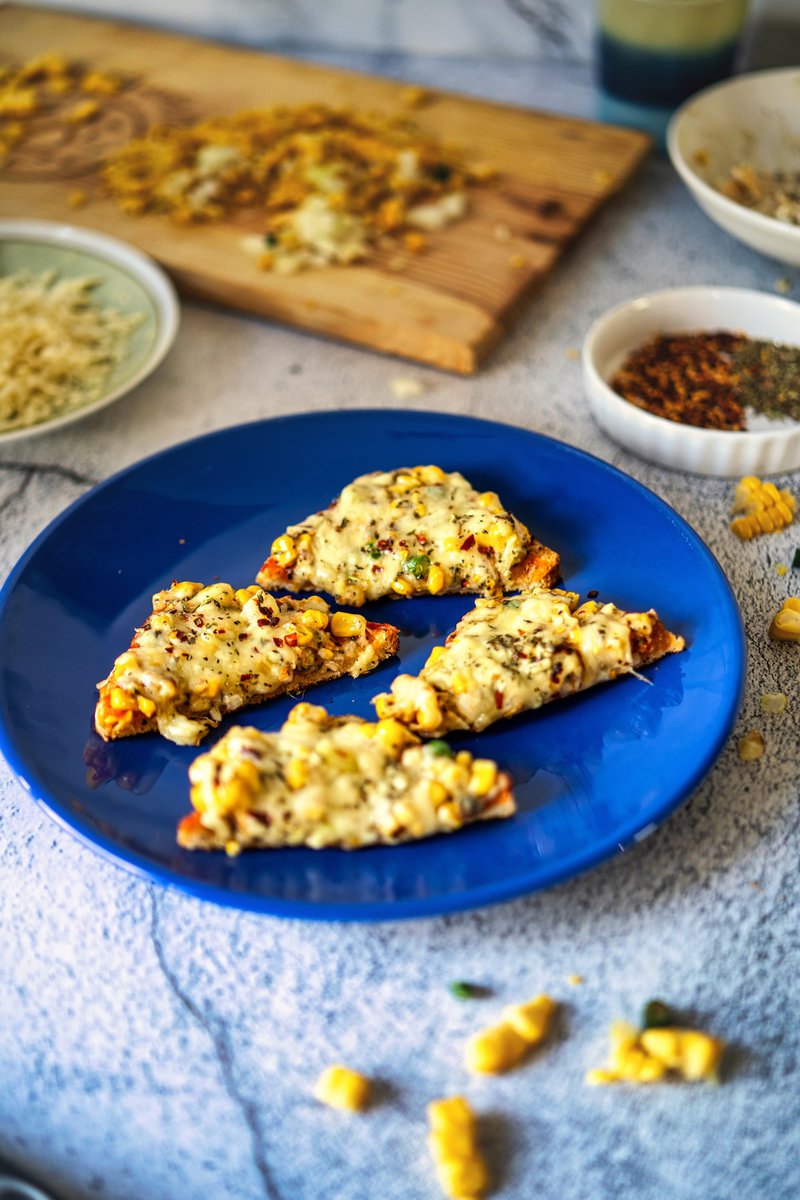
(57, 347)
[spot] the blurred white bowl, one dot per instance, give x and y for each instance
(755, 119)
(768, 447)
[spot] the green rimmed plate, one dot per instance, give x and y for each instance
(127, 280)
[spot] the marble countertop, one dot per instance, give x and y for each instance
(153, 1047)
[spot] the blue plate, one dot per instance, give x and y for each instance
(592, 774)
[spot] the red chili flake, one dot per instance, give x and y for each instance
(468, 542)
(422, 539)
(290, 639)
(691, 378)
(403, 544)
(220, 630)
(181, 636)
(376, 569)
(498, 699)
(593, 594)
(199, 622)
(243, 636)
(386, 543)
(278, 641)
(168, 649)
(244, 678)
(262, 622)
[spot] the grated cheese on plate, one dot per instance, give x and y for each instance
(57, 347)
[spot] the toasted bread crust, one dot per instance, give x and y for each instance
(193, 835)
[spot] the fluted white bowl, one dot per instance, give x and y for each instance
(767, 447)
(753, 118)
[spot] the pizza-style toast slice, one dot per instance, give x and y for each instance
(207, 651)
(335, 781)
(518, 653)
(411, 531)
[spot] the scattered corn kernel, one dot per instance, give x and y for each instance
(781, 569)
(495, 1049)
(751, 746)
(314, 618)
(453, 1145)
(774, 702)
(232, 848)
(532, 1020)
(403, 587)
(785, 625)
(429, 715)
(146, 705)
(339, 1087)
(244, 594)
(647, 1056)
(435, 654)
(765, 508)
(348, 624)
(120, 700)
(575, 980)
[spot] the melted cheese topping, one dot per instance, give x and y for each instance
(207, 651)
(328, 781)
(415, 529)
(516, 654)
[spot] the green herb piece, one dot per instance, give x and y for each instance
(768, 377)
(796, 560)
(372, 550)
(467, 991)
(657, 1015)
(511, 603)
(441, 172)
(270, 239)
(439, 749)
(417, 565)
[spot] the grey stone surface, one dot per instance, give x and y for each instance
(156, 1048)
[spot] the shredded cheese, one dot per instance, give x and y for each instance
(57, 348)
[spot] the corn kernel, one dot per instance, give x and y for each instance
(483, 777)
(429, 715)
(339, 1087)
(700, 1055)
(230, 795)
(146, 705)
(403, 587)
(83, 112)
(785, 626)
(296, 773)
(283, 550)
(245, 594)
(232, 848)
(437, 579)
(305, 636)
(765, 508)
(404, 483)
(532, 1020)
(663, 1044)
(434, 656)
(495, 1049)
(437, 793)
(774, 702)
(393, 736)
(493, 540)
(120, 700)
(384, 705)
(314, 618)
(420, 509)
(452, 544)
(751, 746)
(463, 1178)
(491, 500)
(303, 543)
(307, 712)
(347, 625)
(452, 1143)
(431, 474)
(460, 682)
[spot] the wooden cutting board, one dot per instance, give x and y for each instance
(447, 306)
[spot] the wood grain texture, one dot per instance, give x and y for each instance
(448, 307)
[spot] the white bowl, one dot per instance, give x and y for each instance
(768, 447)
(753, 118)
(126, 280)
